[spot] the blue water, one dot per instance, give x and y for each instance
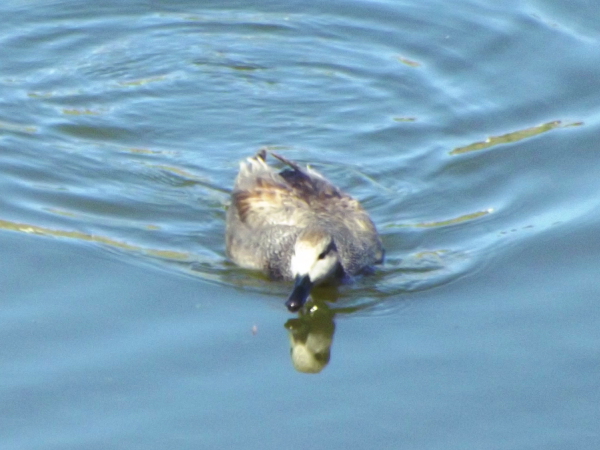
(468, 130)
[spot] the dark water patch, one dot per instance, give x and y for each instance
(98, 133)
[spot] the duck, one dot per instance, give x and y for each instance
(293, 224)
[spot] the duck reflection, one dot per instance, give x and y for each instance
(311, 335)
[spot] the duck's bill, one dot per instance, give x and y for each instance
(299, 294)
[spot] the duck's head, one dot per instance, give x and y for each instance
(315, 260)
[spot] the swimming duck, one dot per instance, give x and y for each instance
(294, 224)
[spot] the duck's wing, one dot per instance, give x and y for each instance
(309, 184)
(296, 196)
(262, 197)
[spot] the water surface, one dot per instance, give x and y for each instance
(468, 131)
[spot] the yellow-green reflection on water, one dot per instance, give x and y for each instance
(459, 219)
(42, 231)
(514, 136)
(443, 223)
(80, 112)
(311, 336)
(28, 129)
(409, 62)
(147, 151)
(175, 170)
(142, 81)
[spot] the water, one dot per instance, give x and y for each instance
(468, 130)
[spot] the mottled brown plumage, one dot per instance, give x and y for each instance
(294, 224)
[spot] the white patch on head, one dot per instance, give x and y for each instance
(305, 261)
(302, 259)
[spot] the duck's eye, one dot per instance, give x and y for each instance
(325, 252)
